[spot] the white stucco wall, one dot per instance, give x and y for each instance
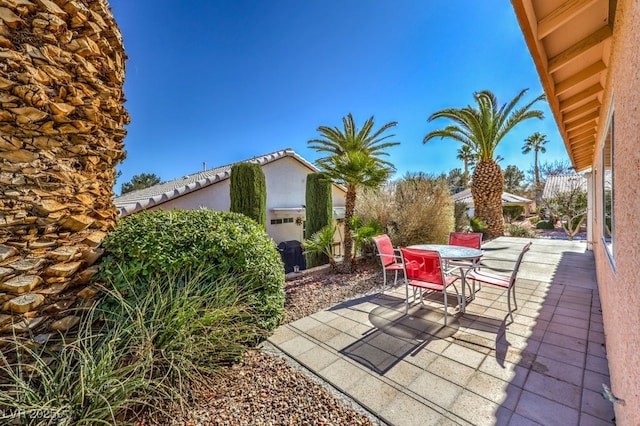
(286, 181)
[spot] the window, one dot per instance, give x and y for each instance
(280, 221)
(608, 198)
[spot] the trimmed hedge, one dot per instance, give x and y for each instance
(156, 244)
(248, 191)
(319, 209)
(545, 224)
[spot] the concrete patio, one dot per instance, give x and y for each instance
(545, 368)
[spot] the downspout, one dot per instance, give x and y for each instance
(590, 200)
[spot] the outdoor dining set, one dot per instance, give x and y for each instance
(437, 267)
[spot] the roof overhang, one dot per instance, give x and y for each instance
(570, 42)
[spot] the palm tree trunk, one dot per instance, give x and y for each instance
(486, 188)
(350, 207)
(61, 136)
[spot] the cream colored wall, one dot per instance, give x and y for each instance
(286, 181)
(215, 197)
(619, 284)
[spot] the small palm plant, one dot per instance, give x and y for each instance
(363, 233)
(321, 242)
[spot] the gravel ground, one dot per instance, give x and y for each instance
(266, 388)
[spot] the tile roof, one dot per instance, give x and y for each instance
(563, 183)
(141, 199)
(507, 198)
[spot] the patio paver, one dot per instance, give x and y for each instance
(547, 367)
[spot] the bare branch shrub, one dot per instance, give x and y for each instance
(418, 209)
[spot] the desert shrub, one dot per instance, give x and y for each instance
(519, 231)
(416, 209)
(461, 216)
(545, 224)
(424, 210)
(534, 219)
(378, 205)
(512, 212)
(154, 245)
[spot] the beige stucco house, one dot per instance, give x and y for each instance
(587, 53)
(285, 177)
(508, 199)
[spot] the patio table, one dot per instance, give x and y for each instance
(451, 252)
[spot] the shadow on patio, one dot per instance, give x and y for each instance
(546, 367)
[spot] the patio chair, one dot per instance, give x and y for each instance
(390, 257)
(424, 270)
(509, 282)
(466, 239)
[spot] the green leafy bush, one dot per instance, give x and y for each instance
(545, 224)
(478, 225)
(512, 212)
(154, 245)
(519, 231)
(534, 219)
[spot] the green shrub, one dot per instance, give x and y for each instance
(154, 245)
(478, 225)
(185, 327)
(512, 212)
(248, 191)
(534, 219)
(319, 211)
(85, 380)
(545, 224)
(519, 231)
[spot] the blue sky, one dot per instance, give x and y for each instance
(219, 81)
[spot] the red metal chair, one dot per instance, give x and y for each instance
(490, 278)
(466, 239)
(424, 270)
(390, 257)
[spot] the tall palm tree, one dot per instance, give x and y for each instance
(468, 157)
(353, 159)
(535, 143)
(482, 128)
(61, 136)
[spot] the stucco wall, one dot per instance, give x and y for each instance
(286, 181)
(619, 284)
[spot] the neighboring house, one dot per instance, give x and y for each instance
(285, 177)
(587, 54)
(507, 200)
(567, 183)
(563, 183)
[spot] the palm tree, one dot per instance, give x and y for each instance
(482, 128)
(62, 136)
(468, 157)
(353, 159)
(535, 143)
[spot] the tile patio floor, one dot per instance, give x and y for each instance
(545, 368)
